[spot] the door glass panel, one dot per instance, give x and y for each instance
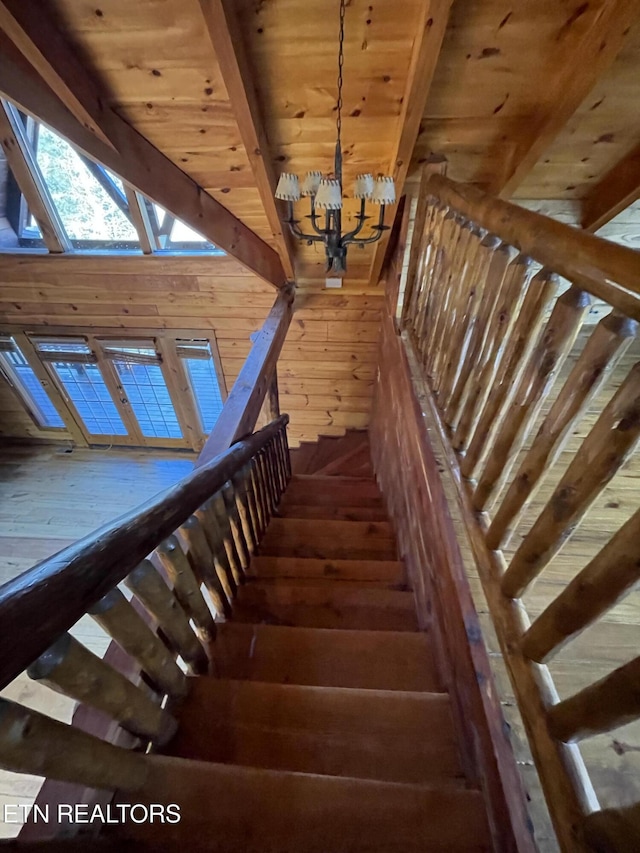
(88, 392)
(147, 392)
(83, 383)
(198, 362)
(29, 387)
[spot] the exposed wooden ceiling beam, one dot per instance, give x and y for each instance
(426, 49)
(76, 94)
(226, 36)
(128, 154)
(619, 188)
(581, 68)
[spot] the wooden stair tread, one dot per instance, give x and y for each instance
(337, 513)
(329, 606)
(388, 735)
(382, 660)
(230, 808)
(369, 540)
(382, 571)
(354, 491)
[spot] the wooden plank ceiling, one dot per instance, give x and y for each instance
(535, 99)
(532, 99)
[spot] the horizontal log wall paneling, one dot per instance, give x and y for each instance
(327, 368)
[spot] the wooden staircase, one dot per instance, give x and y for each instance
(325, 726)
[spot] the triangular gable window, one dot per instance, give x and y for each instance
(91, 209)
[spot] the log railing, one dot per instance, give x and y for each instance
(494, 304)
(197, 535)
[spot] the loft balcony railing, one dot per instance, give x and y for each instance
(495, 299)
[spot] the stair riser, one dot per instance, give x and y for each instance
(390, 572)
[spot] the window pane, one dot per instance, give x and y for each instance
(30, 388)
(206, 391)
(149, 398)
(85, 208)
(87, 389)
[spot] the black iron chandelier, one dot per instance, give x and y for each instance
(325, 194)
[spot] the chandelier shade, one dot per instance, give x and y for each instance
(329, 195)
(384, 191)
(288, 188)
(311, 183)
(363, 187)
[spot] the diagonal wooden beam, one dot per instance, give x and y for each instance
(582, 66)
(226, 36)
(128, 153)
(29, 178)
(619, 188)
(79, 96)
(242, 406)
(424, 57)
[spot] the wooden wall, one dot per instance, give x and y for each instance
(327, 367)
(408, 475)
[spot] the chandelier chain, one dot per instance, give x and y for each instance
(340, 66)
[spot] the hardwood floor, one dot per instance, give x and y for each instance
(50, 497)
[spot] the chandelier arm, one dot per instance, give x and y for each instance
(302, 236)
(378, 228)
(348, 237)
(314, 218)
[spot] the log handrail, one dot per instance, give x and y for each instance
(41, 604)
(605, 269)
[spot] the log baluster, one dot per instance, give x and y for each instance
(457, 318)
(186, 587)
(609, 703)
(471, 300)
(217, 508)
(613, 829)
(264, 484)
(69, 668)
(147, 585)
(257, 496)
(601, 353)
(498, 331)
(420, 256)
(200, 555)
(235, 523)
(605, 581)
(601, 454)
(428, 272)
(272, 478)
(511, 359)
(285, 449)
(31, 742)
(428, 320)
(220, 550)
(538, 374)
(247, 508)
(459, 244)
(119, 619)
(476, 336)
